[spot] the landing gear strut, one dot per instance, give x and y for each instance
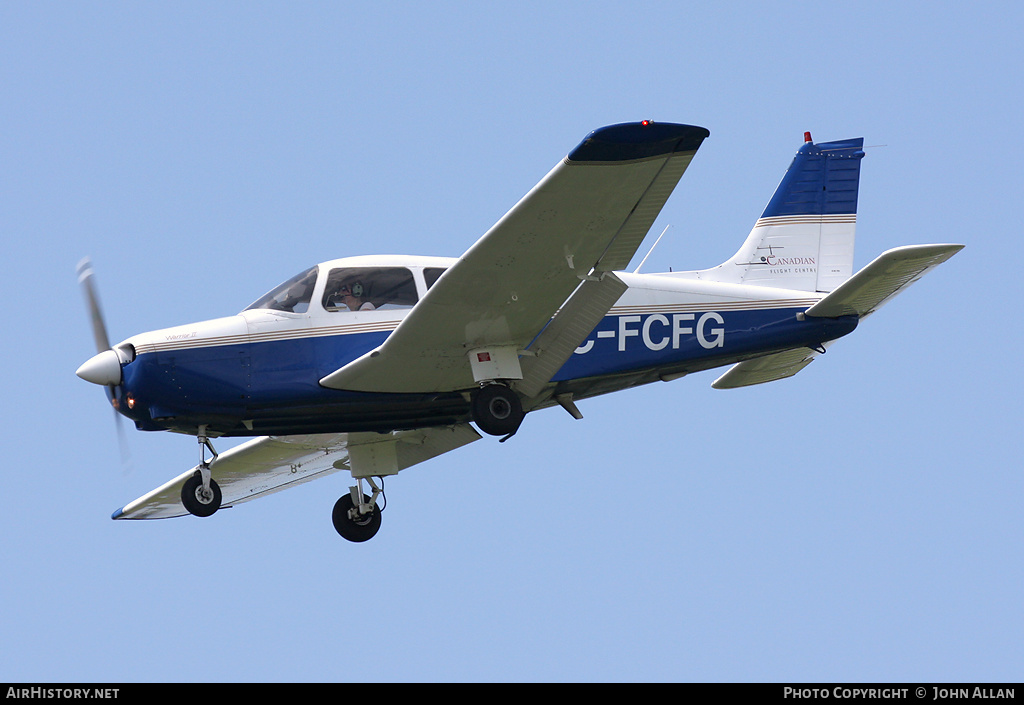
(497, 410)
(200, 494)
(357, 517)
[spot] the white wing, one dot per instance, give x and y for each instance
(588, 216)
(266, 465)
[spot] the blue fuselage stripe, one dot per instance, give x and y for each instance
(623, 343)
(256, 380)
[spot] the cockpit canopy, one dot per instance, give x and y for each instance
(292, 296)
(347, 289)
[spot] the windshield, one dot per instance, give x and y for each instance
(293, 296)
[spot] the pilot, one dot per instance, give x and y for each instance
(352, 296)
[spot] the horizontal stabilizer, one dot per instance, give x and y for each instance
(892, 272)
(766, 369)
(861, 295)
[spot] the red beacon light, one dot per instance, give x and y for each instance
(807, 137)
(645, 123)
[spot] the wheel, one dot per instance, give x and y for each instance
(196, 501)
(497, 410)
(357, 530)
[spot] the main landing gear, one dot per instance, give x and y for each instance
(497, 410)
(357, 517)
(201, 495)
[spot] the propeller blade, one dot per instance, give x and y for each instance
(92, 301)
(127, 465)
(86, 275)
(105, 367)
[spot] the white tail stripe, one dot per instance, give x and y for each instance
(805, 219)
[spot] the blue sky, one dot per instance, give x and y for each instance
(858, 522)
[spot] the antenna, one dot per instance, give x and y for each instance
(637, 270)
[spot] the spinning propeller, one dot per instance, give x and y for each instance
(104, 368)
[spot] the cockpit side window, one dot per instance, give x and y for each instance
(432, 274)
(369, 288)
(292, 296)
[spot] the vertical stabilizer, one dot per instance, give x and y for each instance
(804, 239)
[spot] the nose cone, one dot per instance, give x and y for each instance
(103, 369)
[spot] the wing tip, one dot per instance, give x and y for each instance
(638, 140)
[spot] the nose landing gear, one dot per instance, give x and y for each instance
(199, 498)
(200, 494)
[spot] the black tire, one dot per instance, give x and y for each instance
(360, 530)
(194, 502)
(497, 410)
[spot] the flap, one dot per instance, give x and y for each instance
(567, 330)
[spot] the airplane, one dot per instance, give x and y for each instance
(371, 365)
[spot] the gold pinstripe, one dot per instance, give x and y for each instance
(387, 326)
(805, 219)
(267, 336)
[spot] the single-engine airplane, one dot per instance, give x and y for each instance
(371, 365)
